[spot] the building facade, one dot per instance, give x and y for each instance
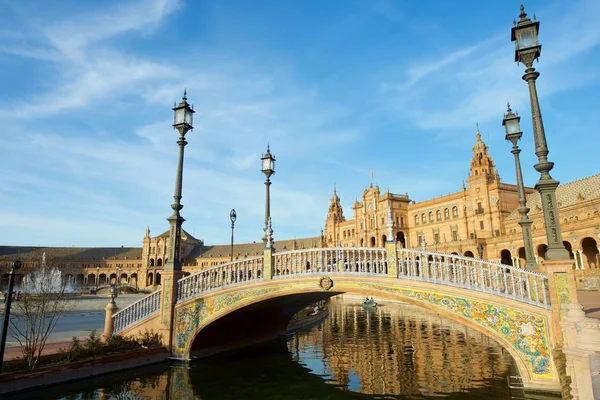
(480, 217)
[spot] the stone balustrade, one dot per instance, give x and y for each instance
(337, 260)
(228, 274)
(136, 312)
(474, 274)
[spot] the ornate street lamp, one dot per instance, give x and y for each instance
(232, 217)
(183, 122)
(513, 134)
(268, 168)
(14, 266)
(480, 251)
(527, 50)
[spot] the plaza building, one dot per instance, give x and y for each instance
(481, 216)
(479, 220)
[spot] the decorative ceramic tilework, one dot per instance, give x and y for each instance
(189, 317)
(527, 332)
(561, 283)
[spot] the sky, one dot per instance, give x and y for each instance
(338, 89)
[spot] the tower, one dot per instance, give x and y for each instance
(335, 215)
(482, 198)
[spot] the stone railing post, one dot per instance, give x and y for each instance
(268, 263)
(170, 282)
(583, 356)
(109, 324)
(392, 258)
(562, 290)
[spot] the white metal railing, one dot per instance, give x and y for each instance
(474, 274)
(228, 274)
(331, 260)
(137, 311)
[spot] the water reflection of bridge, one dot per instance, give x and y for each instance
(403, 349)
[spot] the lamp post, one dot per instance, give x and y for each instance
(183, 122)
(15, 265)
(232, 217)
(527, 50)
(268, 168)
(513, 134)
(118, 282)
(97, 276)
(137, 278)
(480, 251)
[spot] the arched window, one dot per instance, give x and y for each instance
(455, 212)
(438, 215)
(446, 213)
(416, 220)
(430, 216)
(423, 218)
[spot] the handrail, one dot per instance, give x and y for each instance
(228, 274)
(144, 307)
(330, 260)
(474, 274)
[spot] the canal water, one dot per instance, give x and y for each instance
(394, 351)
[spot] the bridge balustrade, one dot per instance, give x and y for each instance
(337, 260)
(474, 274)
(228, 274)
(137, 311)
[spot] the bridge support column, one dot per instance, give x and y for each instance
(268, 264)
(562, 292)
(168, 300)
(582, 352)
(391, 256)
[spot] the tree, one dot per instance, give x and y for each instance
(43, 298)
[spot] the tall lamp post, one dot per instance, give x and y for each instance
(232, 217)
(268, 168)
(513, 135)
(15, 265)
(183, 122)
(527, 50)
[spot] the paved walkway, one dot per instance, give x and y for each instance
(590, 300)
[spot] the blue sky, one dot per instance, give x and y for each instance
(338, 88)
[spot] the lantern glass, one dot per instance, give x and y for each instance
(179, 116)
(189, 116)
(267, 164)
(511, 125)
(526, 38)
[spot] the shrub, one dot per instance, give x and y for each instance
(150, 339)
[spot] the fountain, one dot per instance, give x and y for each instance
(44, 280)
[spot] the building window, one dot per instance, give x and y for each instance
(438, 215)
(423, 218)
(416, 220)
(446, 213)
(455, 212)
(402, 221)
(430, 216)
(454, 236)
(480, 224)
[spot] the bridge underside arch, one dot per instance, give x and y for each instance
(266, 308)
(254, 323)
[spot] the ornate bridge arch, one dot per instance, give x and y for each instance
(508, 304)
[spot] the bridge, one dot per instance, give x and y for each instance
(253, 299)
